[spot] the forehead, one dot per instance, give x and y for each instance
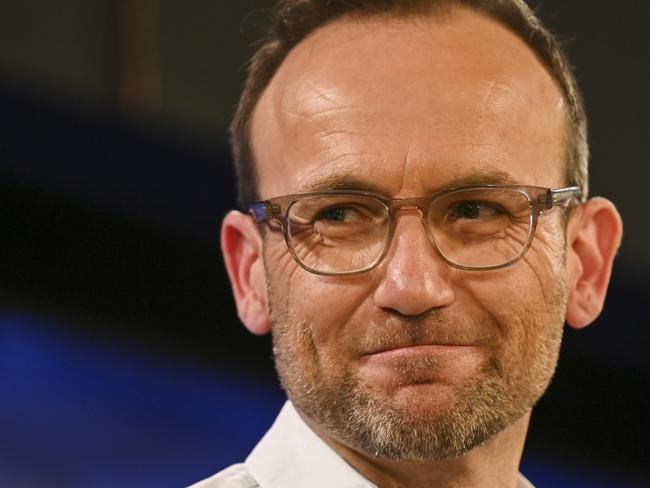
(407, 106)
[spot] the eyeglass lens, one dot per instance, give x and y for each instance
(474, 228)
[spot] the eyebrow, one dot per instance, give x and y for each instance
(335, 182)
(482, 177)
(338, 182)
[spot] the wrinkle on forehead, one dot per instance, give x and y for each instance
(348, 85)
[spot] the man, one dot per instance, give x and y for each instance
(417, 232)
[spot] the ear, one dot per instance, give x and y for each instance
(242, 248)
(593, 237)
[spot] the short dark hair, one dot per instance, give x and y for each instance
(294, 20)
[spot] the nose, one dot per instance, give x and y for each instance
(413, 278)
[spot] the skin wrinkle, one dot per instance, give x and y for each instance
(324, 134)
(366, 133)
(489, 104)
(405, 161)
(557, 267)
(323, 105)
(332, 101)
(486, 100)
(343, 156)
(325, 112)
(339, 157)
(321, 95)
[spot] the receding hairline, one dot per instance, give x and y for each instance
(290, 28)
(437, 16)
(440, 14)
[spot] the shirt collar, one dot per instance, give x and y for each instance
(292, 455)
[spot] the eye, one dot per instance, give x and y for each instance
(473, 210)
(342, 213)
(337, 214)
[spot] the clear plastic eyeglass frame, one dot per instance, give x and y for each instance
(276, 210)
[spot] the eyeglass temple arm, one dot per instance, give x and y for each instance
(560, 197)
(259, 211)
(264, 211)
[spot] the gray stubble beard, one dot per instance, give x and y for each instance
(368, 421)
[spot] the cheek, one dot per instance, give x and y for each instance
(333, 310)
(526, 302)
(534, 282)
(546, 261)
(277, 258)
(500, 296)
(326, 305)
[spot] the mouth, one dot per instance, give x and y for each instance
(422, 364)
(416, 349)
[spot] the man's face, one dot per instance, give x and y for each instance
(414, 359)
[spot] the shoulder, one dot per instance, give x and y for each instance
(235, 476)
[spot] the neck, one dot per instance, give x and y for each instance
(495, 463)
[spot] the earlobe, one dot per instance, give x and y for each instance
(593, 238)
(242, 248)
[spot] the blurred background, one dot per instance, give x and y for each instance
(122, 362)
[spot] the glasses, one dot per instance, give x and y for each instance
(472, 228)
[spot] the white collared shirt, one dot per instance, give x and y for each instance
(291, 455)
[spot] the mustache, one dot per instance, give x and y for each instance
(433, 328)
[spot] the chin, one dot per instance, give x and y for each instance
(425, 421)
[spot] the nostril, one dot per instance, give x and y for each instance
(413, 286)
